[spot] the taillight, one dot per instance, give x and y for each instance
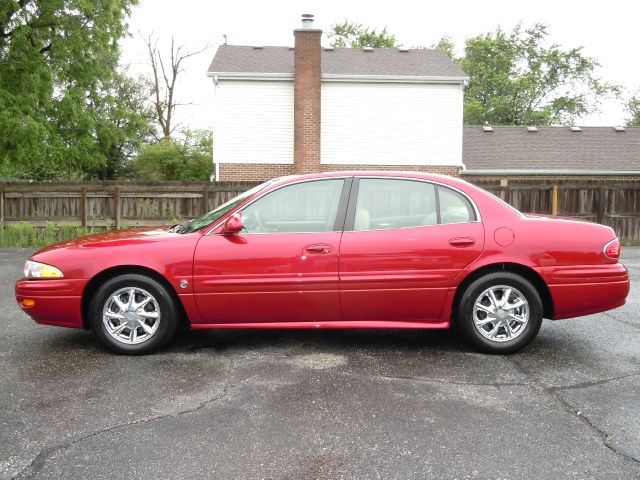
(612, 249)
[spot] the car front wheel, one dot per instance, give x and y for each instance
(500, 313)
(133, 314)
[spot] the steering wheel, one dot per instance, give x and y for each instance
(259, 221)
(253, 222)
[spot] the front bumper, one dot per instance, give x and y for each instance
(56, 302)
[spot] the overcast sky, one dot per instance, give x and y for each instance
(608, 31)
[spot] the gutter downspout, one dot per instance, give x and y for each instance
(215, 118)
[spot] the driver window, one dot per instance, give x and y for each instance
(299, 208)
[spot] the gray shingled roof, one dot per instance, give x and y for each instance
(339, 61)
(551, 148)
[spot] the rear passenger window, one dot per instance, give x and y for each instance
(454, 207)
(391, 203)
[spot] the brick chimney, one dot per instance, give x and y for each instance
(306, 97)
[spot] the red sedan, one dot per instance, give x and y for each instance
(333, 250)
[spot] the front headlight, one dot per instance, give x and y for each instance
(41, 270)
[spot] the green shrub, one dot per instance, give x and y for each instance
(191, 159)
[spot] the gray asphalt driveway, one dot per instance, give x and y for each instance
(321, 404)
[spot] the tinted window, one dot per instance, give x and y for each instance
(303, 207)
(390, 203)
(454, 207)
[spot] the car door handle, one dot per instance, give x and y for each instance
(462, 242)
(321, 248)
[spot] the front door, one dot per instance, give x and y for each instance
(403, 244)
(283, 266)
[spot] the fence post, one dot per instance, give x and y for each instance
(205, 199)
(554, 199)
(602, 206)
(2, 208)
(504, 185)
(116, 206)
(83, 207)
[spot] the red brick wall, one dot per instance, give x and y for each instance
(250, 172)
(253, 172)
(306, 100)
(442, 169)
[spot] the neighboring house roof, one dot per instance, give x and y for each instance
(378, 62)
(550, 149)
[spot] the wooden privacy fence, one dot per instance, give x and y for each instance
(617, 206)
(111, 204)
(159, 203)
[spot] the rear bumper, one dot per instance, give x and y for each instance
(586, 289)
(56, 302)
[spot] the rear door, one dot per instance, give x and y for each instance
(404, 242)
(283, 266)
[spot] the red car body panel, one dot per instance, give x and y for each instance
(267, 278)
(167, 254)
(395, 278)
(403, 274)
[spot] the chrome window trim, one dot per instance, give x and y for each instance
(242, 206)
(407, 228)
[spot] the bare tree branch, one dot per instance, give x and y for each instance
(165, 80)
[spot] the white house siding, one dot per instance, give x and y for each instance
(391, 124)
(253, 122)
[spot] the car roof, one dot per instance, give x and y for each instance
(434, 177)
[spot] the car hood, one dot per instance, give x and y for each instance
(113, 238)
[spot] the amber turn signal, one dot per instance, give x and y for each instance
(28, 302)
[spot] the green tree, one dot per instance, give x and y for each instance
(516, 79)
(61, 112)
(354, 35)
(633, 107)
(123, 123)
(168, 159)
(446, 45)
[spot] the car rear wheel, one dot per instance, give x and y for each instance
(500, 313)
(133, 314)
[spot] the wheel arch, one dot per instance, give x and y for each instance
(112, 272)
(527, 272)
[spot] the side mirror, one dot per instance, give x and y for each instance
(233, 224)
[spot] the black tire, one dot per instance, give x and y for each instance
(162, 302)
(477, 291)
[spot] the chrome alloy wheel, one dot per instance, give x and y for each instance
(500, 313)
(131, 315)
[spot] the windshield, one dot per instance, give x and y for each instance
(210, 217)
